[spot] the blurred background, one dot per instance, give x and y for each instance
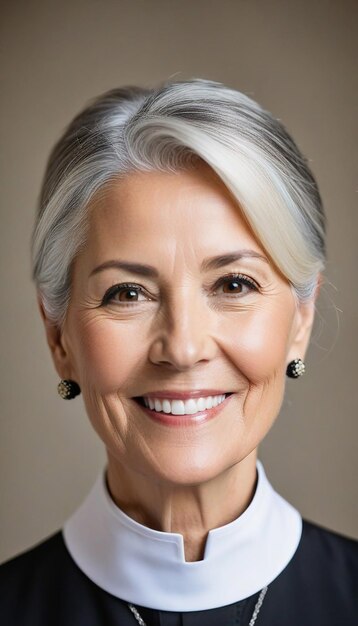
(298, 58)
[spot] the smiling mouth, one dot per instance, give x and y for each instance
(191, 406)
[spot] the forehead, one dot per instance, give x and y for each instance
(190, 208)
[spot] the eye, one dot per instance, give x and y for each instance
(126, 293)
(235, 284)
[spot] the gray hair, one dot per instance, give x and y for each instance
(169, 128)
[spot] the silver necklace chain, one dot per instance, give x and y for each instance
(253, 619)
(258, 606)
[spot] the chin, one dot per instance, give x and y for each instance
(188, 470)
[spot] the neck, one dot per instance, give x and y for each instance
(190, 510)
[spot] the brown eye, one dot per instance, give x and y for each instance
(234, 286)
(128, 295)
(124, 294)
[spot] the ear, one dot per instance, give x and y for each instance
(303, 323)
(55, 342)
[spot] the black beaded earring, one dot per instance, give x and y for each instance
(68, 389)
(295, 368)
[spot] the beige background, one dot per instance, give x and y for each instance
(298, 58)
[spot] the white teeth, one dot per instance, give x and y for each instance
(201, 404)
(180, 407)
(177, 407)
(209, 402)
(166, 406)
(190, 407)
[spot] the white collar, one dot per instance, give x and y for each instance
(147, 567)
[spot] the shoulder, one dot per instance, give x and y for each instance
(35, 568)
(48, 548)
(320, 583)
(43, 585)
(329, 560)
(38, 555)
(35, 581)
(330, 546)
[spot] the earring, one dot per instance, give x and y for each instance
(295, 368)
(68, 389)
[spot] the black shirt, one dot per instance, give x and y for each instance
(319, 587)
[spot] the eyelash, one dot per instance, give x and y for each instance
(242, 278)
(117, 289)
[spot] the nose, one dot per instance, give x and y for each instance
(184, 336)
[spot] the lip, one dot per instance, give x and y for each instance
(172, 394)
(184, 420)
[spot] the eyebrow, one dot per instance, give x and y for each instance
(151, 272)
(225, 259)
(134, 268)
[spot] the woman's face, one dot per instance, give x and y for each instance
(192, 321)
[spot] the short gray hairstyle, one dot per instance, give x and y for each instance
(167, 129)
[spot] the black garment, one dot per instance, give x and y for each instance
(319, 587)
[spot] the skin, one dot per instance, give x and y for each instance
(187, 331)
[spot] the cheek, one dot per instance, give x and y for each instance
(108, 355)
(258, 344)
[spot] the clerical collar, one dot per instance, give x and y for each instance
(147, 567)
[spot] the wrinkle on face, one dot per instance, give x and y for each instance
(187, 335)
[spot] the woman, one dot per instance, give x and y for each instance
(177, 254)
